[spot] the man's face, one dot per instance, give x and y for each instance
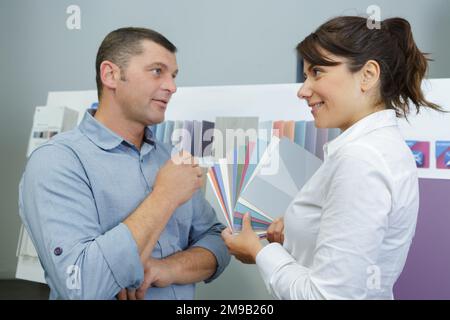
(147, 84)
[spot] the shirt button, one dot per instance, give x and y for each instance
(58, 251)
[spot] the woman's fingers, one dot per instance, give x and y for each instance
(247, 222)
(279, 231)
(275, 232)
(226, 236)
(270, 231)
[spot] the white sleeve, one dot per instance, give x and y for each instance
(354, 221)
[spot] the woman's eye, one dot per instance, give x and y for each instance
(316, 71)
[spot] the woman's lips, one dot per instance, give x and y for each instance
(316, 107)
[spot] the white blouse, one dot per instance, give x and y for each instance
(349, 229)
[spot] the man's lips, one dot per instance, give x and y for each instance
(161, 102)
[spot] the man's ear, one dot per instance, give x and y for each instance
(370, 74)
(109, 74)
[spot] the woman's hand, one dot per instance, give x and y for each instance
(275, 232)
(245, 245)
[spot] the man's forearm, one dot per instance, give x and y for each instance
(192, 265)
(148, 221)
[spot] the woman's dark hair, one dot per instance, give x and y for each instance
(392, 45)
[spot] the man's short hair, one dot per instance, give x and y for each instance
(121, 44)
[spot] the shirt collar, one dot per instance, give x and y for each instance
(376, 120)
(148, 136)
(102, 136)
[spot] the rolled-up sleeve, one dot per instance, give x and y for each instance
(58, 208)
(206, 232)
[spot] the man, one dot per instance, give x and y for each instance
(110, 213)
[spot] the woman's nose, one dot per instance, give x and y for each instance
(304, 92)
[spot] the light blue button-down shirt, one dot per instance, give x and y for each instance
(74, 194)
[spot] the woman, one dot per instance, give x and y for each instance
(348, 231)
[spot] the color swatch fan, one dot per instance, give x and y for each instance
(264, 188)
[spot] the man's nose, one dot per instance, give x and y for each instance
(170, 85)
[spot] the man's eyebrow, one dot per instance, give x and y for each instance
(157, 64)
(162, 66)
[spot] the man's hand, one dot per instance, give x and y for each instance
(245, 245)
(178, 179)
(175, 184)
(275, 232)
(157, 273)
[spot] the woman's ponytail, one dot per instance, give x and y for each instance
(412, 66)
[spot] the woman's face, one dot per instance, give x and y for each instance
(333, 93)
